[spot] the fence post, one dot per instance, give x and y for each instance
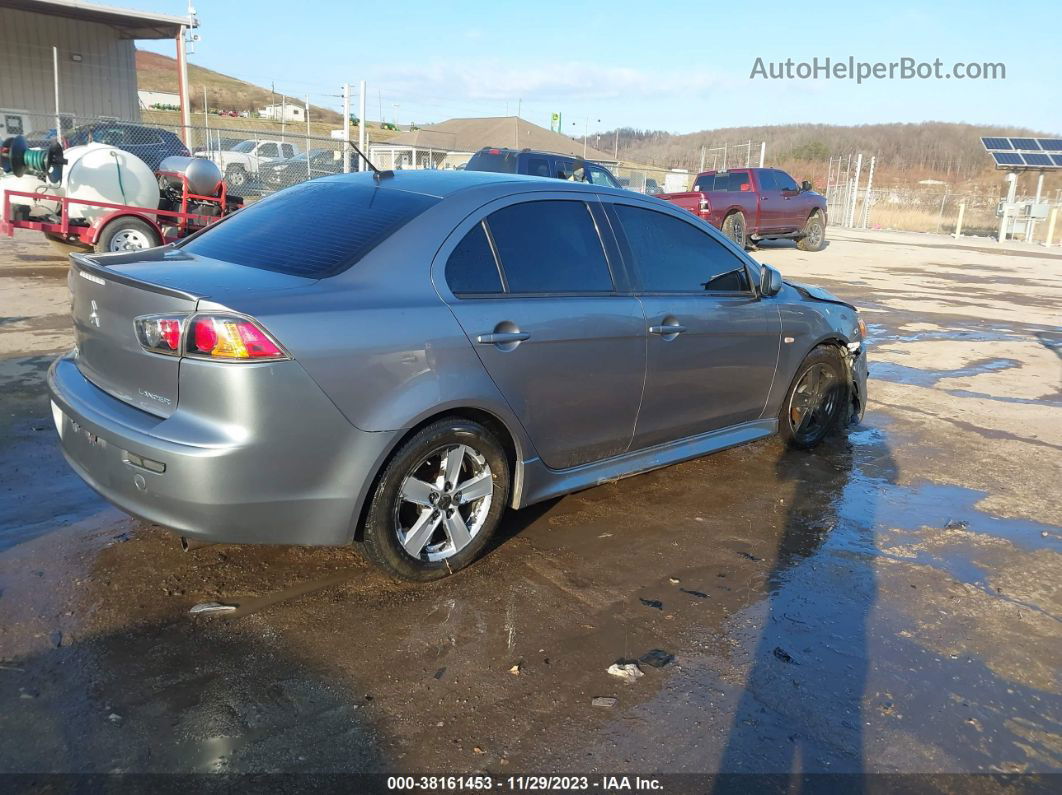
(1051, 227)
(866, 196)
(346, 128)
(362, 127)
(958, 221)
(763, 152)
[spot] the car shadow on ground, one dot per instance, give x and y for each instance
(781, 245)
(801, 710)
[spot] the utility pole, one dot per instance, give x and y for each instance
(58, 121)
(206, 118)
(306, 111)
(763, 152)
(362, 132)
(182, 88)
(346, 128)
(616, 153)
(704, 153)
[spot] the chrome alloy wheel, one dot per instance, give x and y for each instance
(814, 402)
(443, 502)
(129, 240)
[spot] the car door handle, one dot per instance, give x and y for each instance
(666, 330)
(502, 337)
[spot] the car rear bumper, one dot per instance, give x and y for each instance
(300, 481)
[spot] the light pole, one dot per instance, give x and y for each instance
(586, 132)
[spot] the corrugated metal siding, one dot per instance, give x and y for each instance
(103, 83)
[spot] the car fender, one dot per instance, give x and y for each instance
(101, 223)
(805, 325)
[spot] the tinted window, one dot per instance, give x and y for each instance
(784, 181)
(471, 267)
(671, 255)
(268, 150)
(288, 150)
(550, 247)
(348, 221)
(538, 166)
(496, 161)
(737, 179)
(705, 183)
(767, 181)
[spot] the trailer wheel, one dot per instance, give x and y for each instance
(127, 234)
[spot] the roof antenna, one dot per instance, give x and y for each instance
(377, 174)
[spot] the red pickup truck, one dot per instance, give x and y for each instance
(751, 204)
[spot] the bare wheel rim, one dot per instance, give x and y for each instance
(814, 235)
(813, 402)
(737, 228)
(129, 240)
(443, 502)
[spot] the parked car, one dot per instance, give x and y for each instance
(541, 164)
(242, 162)
(150, 144)
(751, 204)
(451, 345)
(323, 163)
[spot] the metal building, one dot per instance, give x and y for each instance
(94, 53)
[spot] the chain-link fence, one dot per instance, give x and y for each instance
(253, 160)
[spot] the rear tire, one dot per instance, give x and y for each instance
(734, 228)
(127, 234)
(438, 501)
(813, 236)
(816, 400)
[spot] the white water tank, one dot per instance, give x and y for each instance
(28, 183)
(97, 172)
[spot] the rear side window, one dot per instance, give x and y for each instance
(472, 267)
(538, 167)
(550, 247)
(671, 255)
(737, 180)
(348, 221)
(498, 161)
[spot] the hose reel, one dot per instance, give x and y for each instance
(45, 162)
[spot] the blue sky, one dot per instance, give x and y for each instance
(656, 65)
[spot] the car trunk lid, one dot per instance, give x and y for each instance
(109, 292)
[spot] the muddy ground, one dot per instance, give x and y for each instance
(888, 603)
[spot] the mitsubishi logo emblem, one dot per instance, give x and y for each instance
(94, 317)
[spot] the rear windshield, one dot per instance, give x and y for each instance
(316, 229)
(498, 162)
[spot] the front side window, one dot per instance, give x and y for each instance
(268, 150)
(471, 268)
(767, 181)
(785, 182)
(674, 256)
(550, 247)
(599, 176)
(288, 149)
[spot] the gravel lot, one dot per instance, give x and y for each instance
(888, 603)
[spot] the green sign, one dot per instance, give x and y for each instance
(555, 122)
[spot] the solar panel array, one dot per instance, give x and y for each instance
(1024, 153)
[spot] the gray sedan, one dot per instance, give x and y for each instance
(395, 360)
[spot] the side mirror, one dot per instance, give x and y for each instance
(805, 185)
(770, 281)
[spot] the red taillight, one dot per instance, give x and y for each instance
(206, 336)
(160, 333)
(225, 337)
